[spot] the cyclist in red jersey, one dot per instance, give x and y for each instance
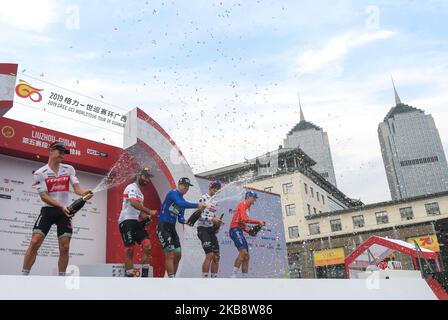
(237, 226)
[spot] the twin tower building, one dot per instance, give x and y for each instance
(411, 147)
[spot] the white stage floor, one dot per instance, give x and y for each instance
(117, 288)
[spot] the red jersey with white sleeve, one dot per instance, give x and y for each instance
(56, 184)
(128, 212)
(240, 217)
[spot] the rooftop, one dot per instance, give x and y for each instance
(303, 125)
(304, 167)
(400, 107)
(252, 163)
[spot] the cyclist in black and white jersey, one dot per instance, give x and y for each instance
(52, 182)
(207, 233)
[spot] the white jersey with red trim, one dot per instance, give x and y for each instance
(128, 212)
(57, 185)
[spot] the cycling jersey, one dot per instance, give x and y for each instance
(57, 185)
(174, 206)
(206, 219)
(240, 218)
(128, 212)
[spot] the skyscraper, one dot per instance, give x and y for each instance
(314, 141)
(412, 152)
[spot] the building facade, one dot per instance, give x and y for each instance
(314, 142)
(323, 226)
(412, 151)
(321, 254)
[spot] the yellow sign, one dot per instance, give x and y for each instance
(428, 242)
(329, 257)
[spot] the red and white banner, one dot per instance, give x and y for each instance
(32, 142)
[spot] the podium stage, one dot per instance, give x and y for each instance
(118, 288)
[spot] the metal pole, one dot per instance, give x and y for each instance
(418, 258)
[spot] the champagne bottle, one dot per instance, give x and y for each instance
(77, 204)
(216, 227)
(254, 230)
(146, 221)
(194, 217)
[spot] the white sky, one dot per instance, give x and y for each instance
(221, 77)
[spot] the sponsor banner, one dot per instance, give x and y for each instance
(268, 253)
(329, 257)
(428, 242)
(20, 137)
(35, 93)
(21, 206)
(96, 153)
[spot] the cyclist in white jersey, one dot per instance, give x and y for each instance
(132, 221)
(52, 182)
(207, 233)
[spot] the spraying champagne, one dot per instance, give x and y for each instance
(79, 203)
(255, 229)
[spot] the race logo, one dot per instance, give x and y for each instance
(8, 132)
(24, 90)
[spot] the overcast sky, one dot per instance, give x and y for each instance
(221, 77)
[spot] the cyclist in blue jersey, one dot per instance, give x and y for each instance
(173, 208)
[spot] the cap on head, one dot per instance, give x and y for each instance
(185, 181)
(252, 194)
(59, 146)
(145, 171)
(215, 184)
